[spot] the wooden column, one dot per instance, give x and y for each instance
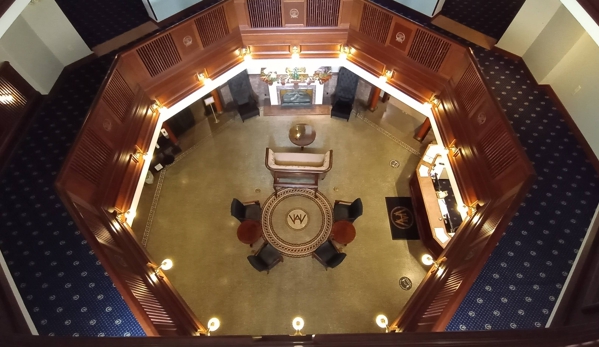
(217, 103)
(374, 98)
(424, 129)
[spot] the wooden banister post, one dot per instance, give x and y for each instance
(217, 103)
(423, 131)
(374, 98)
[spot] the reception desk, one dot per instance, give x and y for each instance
(431, 208)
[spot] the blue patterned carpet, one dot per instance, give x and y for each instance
(490, 17)
(64, 286)
(67, 291)
(98, 21)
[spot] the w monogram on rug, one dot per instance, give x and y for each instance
(401, 218)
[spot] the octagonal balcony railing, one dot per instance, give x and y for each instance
(102, 172)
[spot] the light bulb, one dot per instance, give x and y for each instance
(166, 264)
(427, 259)
(6, 98)
(298, 323)
(381, 321)
(213, 324)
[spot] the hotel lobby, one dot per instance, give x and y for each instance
(188, 150)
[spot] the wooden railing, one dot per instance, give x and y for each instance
(18, 103)
(99, 177)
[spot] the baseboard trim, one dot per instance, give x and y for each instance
(591, 156)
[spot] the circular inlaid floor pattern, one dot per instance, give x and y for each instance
(297, 221)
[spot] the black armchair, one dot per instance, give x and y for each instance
(266, 258)
(349, 211)
(244, 211)
(248, 110)
(328, 255)
(342, 108)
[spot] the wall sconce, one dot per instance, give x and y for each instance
(166, 264)
(298, 325)
(213, 325)
(383, 322)
(427, 259)
(386, 75)
(435, 101)
(245, 53)
(6, 99)
(436, 268)
(156, 107)
(203, 77)
(453, 149)
(295, 51)
(344, 51)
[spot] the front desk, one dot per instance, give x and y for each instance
(438, 207)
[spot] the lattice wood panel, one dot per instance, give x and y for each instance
(323, 13)
(499, 150)
(375, 23)
(12, 105)
(442, 298)
(159, 55)
(118, 96)
(91, 157)
(265, 13)
(151, 306)
(428, 49)
(470, 89)
(212, 26)
(96, 226)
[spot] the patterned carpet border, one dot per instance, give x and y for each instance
(287, 248)
(389, 135)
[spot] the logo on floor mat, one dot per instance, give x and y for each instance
(402, 217)
(297, 219)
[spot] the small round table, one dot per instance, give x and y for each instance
(343, 232)
(249, 231)
(302, 135)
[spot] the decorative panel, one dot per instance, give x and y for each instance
(443, 296)
(118, 96)
(212, 26)
(428, 49)
(265, 13)
(375, 23)
(322, 13)
(96, 226)
(400, 36)
(159, 55)
(470, 89)
(499, 149)
(152, 307)
(294, 12)
(91, 156)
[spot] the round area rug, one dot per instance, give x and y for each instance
(297, 221)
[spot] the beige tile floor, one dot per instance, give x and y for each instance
(192, 226)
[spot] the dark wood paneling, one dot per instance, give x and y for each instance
(212, 26)
(323, 13)
(265, 13)
(592, 8)
(375, 23)
(159, 55)
(428, 49)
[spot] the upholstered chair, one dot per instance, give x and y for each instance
(244, 211)
(328, 255)
(349, 211)
(265, 258)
